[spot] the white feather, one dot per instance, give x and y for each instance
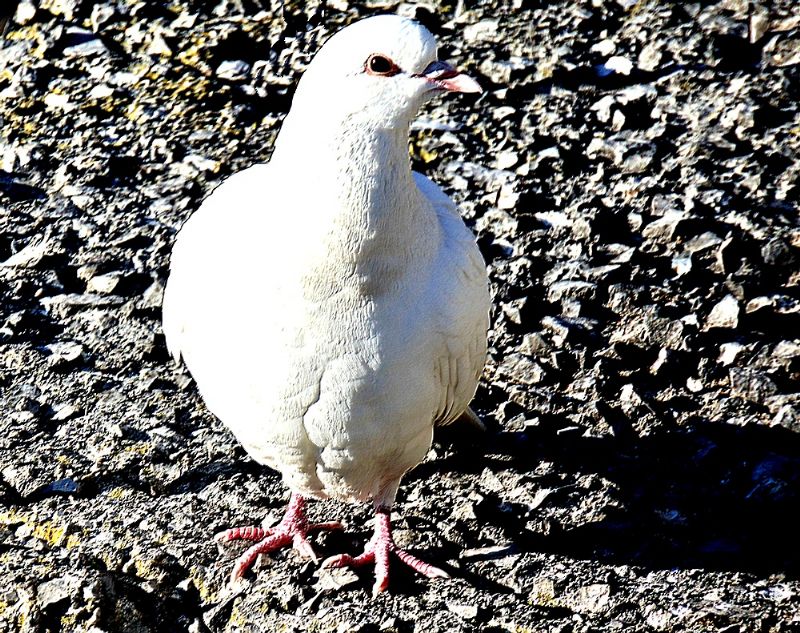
(332, 305)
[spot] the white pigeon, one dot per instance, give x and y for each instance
(331, 304)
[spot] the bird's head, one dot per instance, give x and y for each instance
(380, 70)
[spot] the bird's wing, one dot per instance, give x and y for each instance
(207, 249)
(461, 288)
(228, 312)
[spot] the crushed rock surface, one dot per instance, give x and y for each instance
(631, 171)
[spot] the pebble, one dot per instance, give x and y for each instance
(85, 49)
(604, 47)
(506, 159)
(464, 611)
(724, 314)
(25, 12)
(64, 354)
(485, 30)
(31, 254)
(104, 284)
(521, 369)
(56, 590)
(233, 70)
(618, 64)
(751, 384)
(728, 353)
(649, 57)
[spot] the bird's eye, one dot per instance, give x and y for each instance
(380, 65)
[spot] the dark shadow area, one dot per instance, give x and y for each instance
(197, 479)
(14, 190)
(710, 496)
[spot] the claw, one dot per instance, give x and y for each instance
(377, 551)
(293, 528)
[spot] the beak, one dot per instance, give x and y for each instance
(445, 77)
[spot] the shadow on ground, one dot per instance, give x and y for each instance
(710, 496)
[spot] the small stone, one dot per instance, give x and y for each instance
(662, 229)
(507, 198)
(25, 479)
(558, 328)
(26, 11)
(497, 72)
(728, 353)
(603, 108)
(233, 70)
(64, 354)
(788, 416)
(658, 619)
(101, 91)
(643, 327)
(787, 350)
(592, 598)
(93, 46)
(66, 486)
(158, 47)
(497, 222)
(649, 57)
(543, 592)
(776, 252)
(464, 611)
(604, 47)
(31, 254)
(549, 152)
(630, 401)
(682, 265)
(521, 369)
(506, 159)
(724, 315)
(502, 112)
(58, 101)
(103, 284)
(491, 552)
(702, 242)
(101, 14)
(334, 578)
(485, 30)
(152, 298)
(694, 385)
(56, 590)
(65, 411)
(756, 304)
(65, 8)
(751, 384)
(784, 52)
(618, 64)
(392, 624)
(534, 344)
(572, 289)
(513, 309)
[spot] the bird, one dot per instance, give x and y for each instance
(331, 304)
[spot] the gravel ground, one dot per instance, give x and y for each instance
(632, 173)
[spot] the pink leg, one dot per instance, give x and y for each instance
(293, 528)
(377, 551)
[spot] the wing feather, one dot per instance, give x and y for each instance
(463, 319)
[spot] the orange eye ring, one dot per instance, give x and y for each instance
(381, 66)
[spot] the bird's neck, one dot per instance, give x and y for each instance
(360, 190)
(353, 163)
(364, 222)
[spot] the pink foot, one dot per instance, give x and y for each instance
(377, 551)
(293, 528)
